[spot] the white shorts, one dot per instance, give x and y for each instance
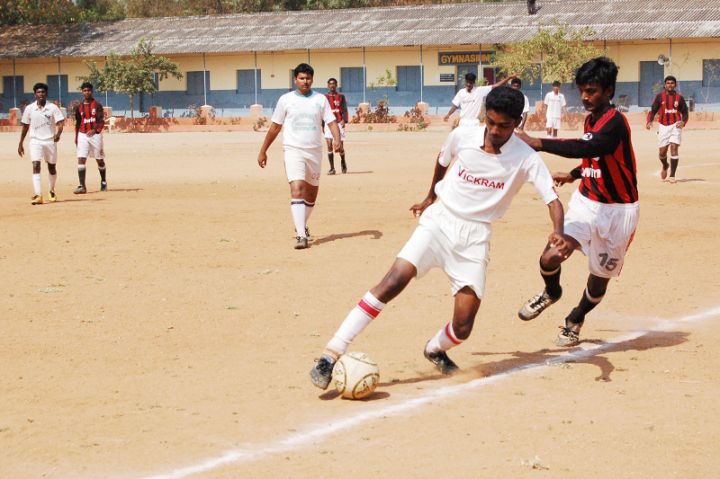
(668, 134)
(303, 164)
(461, 248)
(604, 232)
(469, 122)
(90, 146)
(553, 123)
(43, 150)
(328, 133)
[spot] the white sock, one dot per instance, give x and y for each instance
(37, 183)
(356, 321)
(53, 179)
(443, 340)
(309, 207)
(297, 208)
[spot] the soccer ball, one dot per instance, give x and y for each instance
(356, 375)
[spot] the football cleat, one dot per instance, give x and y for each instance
(321, 373)
(52, 197)
(536, 305)
(567, 338)
(103, 186)
(80, 190)
(37, 200)
(301, 243)
(331, 172)
(441, 360)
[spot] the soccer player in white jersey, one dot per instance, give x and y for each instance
(470, 100)
(302, 113)
(554, 107)
(453, 233)
(45, 122)
(516, 83)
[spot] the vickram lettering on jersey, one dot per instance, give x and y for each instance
(498, 185)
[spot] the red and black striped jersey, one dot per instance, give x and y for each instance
(89, 116)
(338, 105)
(608, 170)
(670, 108)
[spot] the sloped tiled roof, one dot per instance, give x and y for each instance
(445, 24)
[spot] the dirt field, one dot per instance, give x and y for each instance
(166, 328)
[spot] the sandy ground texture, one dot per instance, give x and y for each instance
(166, 328)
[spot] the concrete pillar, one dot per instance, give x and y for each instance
(107, 111)
(14, 116)
(422, 107)
(256, 110)
(155, 112)
(207, 112)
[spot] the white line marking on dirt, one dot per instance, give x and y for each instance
(316, 433)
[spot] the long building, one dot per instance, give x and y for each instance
(234, 61)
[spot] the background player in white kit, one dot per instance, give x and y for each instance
(45, 122)
(554, 107)
(302, 113)
(470, 100)
(490, 167)
(516, 83)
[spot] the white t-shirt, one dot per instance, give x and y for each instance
(42, 120)
(481, 186)
(554, 103)
(526, 108)
(302, 117)
(471, 102)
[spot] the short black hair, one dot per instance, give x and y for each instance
(332, 79)
(600, 70)
(668, 78)
(516, 81)
(505, 100)
(303, 68)
(556, 83)
(471, 77)
(39, 86)
(85, 85)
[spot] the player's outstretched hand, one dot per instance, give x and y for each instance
(262, 159)
(561, 178)
(648, 125)
(563, 246)
(533, 142)
(680, 124)
(21, 149)
(418, 208)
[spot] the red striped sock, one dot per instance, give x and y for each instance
(356, 321)
(444, 339)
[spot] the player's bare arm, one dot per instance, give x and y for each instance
(504, 81)
(60, 124)
(557, 238)
(560, 178)
(438, 175)
(272, 133)
(23, 134)
(453, 109)
(337, 142)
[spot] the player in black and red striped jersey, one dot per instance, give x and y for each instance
(89, 124)
(673, 114)
(603, 212)
(338, 104)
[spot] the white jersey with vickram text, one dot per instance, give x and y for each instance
(42, 120)
(480, 186)
(302, 117)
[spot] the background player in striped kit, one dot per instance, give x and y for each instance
(673, 114)
(338, 104)
(490, 166)
(45, 123)
(89, 124)
(603, 213)
(302, 113)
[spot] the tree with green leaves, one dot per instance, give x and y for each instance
(553, 53)
(140, 72)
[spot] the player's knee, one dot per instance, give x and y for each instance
(51, 169)
(101, 163)
(597, 287)
(463, 326)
